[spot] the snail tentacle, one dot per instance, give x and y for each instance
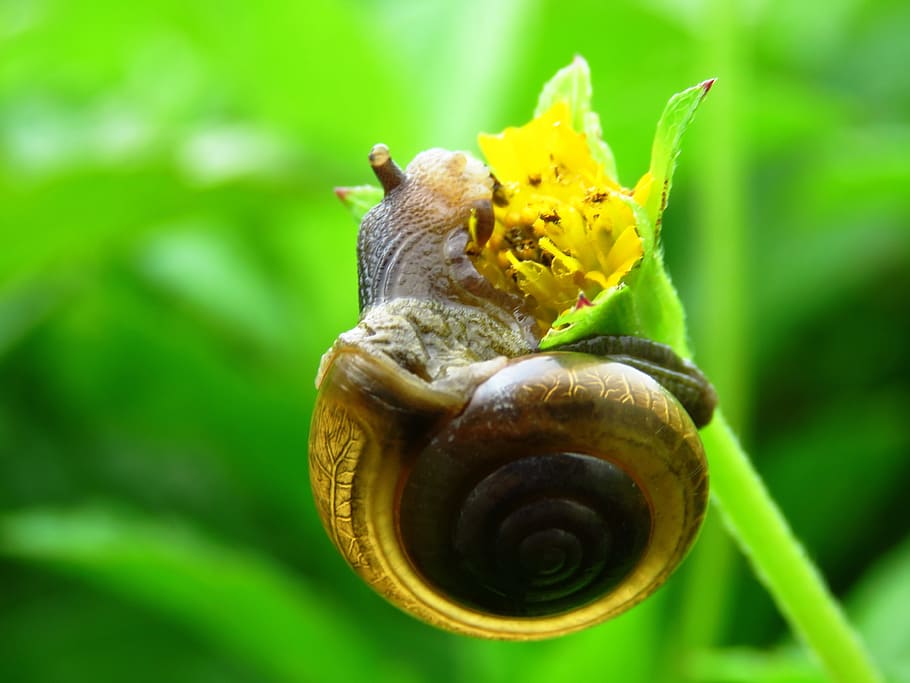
(388, 173)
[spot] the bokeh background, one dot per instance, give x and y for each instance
(173, 262)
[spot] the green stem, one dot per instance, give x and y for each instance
(780, 561)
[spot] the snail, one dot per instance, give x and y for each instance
(482, 485)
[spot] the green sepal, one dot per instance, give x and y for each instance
(645, 303)
(612, 309)
(359, 199)
(674, 120)
(659, 312)
(573, 84)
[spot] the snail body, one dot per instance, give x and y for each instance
(482, 486)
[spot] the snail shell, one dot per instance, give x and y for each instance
(482, 487)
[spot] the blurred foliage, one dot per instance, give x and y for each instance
(173, 262)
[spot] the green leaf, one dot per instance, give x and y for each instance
(677, 116)
(238, 600)
(359, 199)
(573, 84)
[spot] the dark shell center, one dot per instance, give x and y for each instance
(537, 536)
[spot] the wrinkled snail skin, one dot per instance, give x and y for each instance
(482, 487)
(412, 244)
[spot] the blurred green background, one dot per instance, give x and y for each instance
(173, 262)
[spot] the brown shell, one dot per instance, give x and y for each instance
(372, 422)
(440, 377)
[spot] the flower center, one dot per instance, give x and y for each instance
(564, 232)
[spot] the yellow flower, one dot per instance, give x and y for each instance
(563, 232)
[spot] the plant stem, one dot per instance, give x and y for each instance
(780, 561)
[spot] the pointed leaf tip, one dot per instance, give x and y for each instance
(359, 199)
(676, 117)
